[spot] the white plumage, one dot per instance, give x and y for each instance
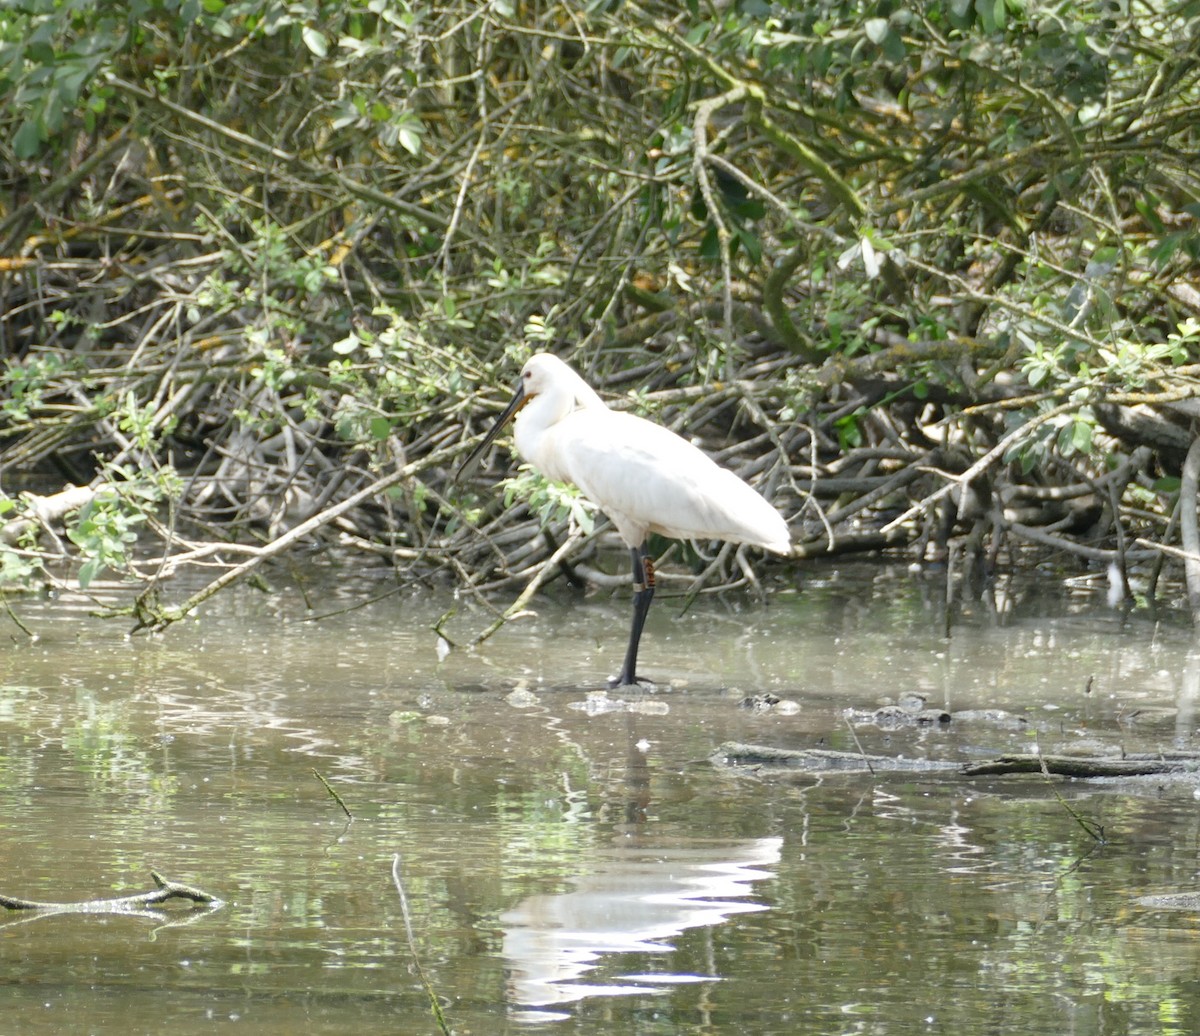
(643, 476)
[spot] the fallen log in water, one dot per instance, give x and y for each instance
(1134, 765)
(817, 760)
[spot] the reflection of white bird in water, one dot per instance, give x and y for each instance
(643, 476)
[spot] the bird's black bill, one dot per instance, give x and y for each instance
(472, 462)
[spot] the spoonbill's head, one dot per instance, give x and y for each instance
(560, 388)
(545, 372)
(541, 372)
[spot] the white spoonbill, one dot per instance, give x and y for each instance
(643, 476)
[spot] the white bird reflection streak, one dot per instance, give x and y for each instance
(634, 900)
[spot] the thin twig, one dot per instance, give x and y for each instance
(861, 751)
(1094, 831)
(13, 615)
(984, 462)
(548, 566)
(434, 1005)
(332, 791)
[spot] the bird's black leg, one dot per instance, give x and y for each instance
(643, 594)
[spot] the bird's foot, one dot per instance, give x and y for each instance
(639, 683)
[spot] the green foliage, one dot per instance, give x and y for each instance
(23, 385)
(550, 501)
(319, 227)
(141, 422)
(18, 567)
(390, 378)
(849, 428)
(50, 54)
(104, 531)
(106, 528)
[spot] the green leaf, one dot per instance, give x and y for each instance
(986, 9)
(381, 428)
(89, 570)
(750, 242)
(877, 30)
(315, 40)
(583, 518)
(1163, 252)
(893, 48)
(27, 141)
(410, 139)
(849, 432)
(1147, 206)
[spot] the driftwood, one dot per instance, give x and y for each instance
(135, 904)
(45, 511)
(1133, 765)
(815, 760)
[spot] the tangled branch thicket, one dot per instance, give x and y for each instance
(267, 268)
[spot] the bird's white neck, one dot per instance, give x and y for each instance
(538, 417)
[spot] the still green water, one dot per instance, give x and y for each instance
(575, 870)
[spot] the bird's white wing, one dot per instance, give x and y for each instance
(647, 478)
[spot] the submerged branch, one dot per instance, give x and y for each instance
(821, 760)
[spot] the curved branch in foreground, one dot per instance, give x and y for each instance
(137, 903)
